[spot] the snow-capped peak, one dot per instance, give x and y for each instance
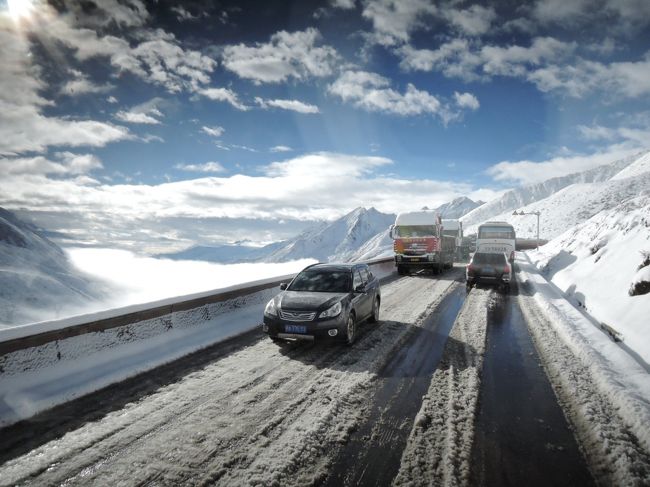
(335, 241)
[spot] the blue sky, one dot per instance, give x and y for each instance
(157, 125)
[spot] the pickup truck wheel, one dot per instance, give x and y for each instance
(351, 330)
(374, 317)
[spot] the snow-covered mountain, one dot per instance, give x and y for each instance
(519, 198)
(565, 201)
(37, 281)
(339, 240)
(458, 207)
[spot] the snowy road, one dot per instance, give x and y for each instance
(401, 406)
(255, 414)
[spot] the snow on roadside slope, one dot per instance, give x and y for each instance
(604, 392)
(595, 264)
(439, 447)
(572, 206)
(518, 198)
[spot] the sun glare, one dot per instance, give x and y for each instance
(20, 9)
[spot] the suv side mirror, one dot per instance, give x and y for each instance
(360, 289)
(283, 286)
(392, 232)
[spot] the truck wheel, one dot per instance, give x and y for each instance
(400, 270)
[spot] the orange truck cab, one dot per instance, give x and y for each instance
(419, 242)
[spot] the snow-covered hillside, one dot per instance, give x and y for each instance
(339, 240)
(597, 262)
(37, 281)
(567, 201)
(573, 205)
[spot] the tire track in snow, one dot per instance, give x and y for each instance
(438, 450)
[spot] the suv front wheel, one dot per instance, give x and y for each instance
(350, 330)
(374, 317)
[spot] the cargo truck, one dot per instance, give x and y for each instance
(420, 243)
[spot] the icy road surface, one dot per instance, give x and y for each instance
(259, 414)
(415, 401)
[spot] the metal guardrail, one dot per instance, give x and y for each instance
(103, 324)
(125, 319)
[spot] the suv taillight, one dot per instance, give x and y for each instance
(506, 270)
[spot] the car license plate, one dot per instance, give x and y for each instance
(488, 270)
(414, 259)
(295, 328)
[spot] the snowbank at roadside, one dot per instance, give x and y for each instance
(619, 376)
(596, 263)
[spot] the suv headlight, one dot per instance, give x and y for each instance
(332, 311)
(271, 309)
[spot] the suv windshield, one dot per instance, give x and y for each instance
(494, 259)
(322, 281)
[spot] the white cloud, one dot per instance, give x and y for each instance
(466, 100)
(124, 13)
(23, 127)
(144, 113)
(622, 15)
(455, 59)
(596, 132)
(215, 131)
(529, 172)
(158, 58)
(79, 163)
(308, 187)
(343, 4)
(635, 135)
(112, 100)
(550, 64)
(474, 21)
(622, 79)
(515, 60)
(81, 85)
(394, 20)
(66, 163)
(223, 94)
(287, 55)
(280, 148)
(559, 10)
(183, 14)
(372, 92)
(133, 117)
(205, 167)
(292, 105)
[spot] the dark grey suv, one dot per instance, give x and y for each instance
(324, 300)
(489, 268)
